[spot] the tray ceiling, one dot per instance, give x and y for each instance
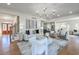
(44, 10)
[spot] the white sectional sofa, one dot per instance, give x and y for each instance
(44, 45)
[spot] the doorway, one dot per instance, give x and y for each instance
(6, 29)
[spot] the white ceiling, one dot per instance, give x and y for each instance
(44, 10)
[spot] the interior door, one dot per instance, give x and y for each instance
(6, 29)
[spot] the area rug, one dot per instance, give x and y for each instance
(25, 48)
(53, 48)
(56, 46)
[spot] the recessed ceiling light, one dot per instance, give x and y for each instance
(44, 9)
(8, 3)
(37, 11)
(70, 12)
(53, 10)
(53, 13)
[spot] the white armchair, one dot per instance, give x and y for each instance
(17, 36)
(46, 34)
(39, 46)
(25, 37)
(51, 32)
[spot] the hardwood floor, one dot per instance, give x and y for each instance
(72, 48)
(7, 48)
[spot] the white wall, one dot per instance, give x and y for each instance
(69, 25)
(22, 24)
(69, 21)
(23, 18)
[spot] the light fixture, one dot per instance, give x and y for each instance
(8, 3)
(53, 13)
(53, 10)
(37, 11)
(7, 17)
(44, 8)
